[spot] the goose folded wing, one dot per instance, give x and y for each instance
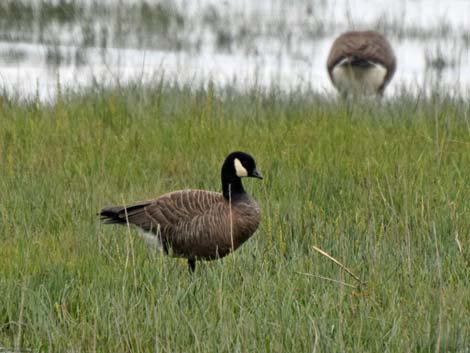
(174, 210)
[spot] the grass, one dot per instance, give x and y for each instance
(384, 189)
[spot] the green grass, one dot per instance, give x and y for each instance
(384, 188)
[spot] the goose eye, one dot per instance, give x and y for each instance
(240, 169)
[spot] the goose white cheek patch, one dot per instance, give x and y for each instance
(240, 169)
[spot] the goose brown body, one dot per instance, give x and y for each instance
(362, 49)
(195, 224)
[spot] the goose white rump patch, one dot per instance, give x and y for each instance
(151, 239)
(240, 169)
(359, 79)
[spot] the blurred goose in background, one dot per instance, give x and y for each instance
(197, 224)
(361, 63)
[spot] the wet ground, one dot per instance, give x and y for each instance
(73, 44)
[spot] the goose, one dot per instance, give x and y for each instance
(197, 224)
(361, 62)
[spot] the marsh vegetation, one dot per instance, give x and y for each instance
(105, 104)
(382, 188)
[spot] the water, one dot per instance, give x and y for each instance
(73, 44)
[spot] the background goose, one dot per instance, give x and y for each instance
(197, 224)
(361, 62)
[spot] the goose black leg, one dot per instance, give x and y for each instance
(192, 265)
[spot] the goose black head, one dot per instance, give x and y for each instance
(239, 165)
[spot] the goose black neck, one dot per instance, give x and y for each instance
(232, 188)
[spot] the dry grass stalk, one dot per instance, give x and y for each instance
(344, 268)
(327, 279)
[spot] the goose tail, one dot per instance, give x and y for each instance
(112, 215)
(121, 214)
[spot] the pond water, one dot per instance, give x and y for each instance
(73, 44)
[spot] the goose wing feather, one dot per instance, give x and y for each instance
(193, 223)
(366, 45)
